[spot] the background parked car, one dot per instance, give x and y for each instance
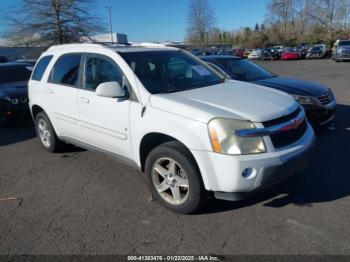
(255, 54)
(341, 50)
(290, 54)
(14, 92)
(238, 52)
(275, 53)
(316, 52)
(266, 54)
(247, 53)
(303, 50)
(318, 100)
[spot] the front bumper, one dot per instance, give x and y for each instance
(343, 57)
(14, 113)
(314, 55)
(223, 173)
(289, 58)
(321, 116)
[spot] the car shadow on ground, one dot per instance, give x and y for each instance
(16, 133)
(326, 179)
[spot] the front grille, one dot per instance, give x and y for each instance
(282, 119)
(288, 137)
(326, 98)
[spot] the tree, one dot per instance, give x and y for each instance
(308, 21)
(47, 22)
(257, 28)
(282, 11)
(200, 21)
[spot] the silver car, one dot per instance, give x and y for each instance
(341, 50)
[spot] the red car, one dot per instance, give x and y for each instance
(238, 52)
(290, 54)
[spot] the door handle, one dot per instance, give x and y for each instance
(49, 91)
(84, 100)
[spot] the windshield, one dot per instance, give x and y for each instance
(316, 48)
(243, 70)
(169, 71)
(342, 43)
(290, 50)
(15, 74)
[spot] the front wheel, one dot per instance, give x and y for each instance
(174, 178)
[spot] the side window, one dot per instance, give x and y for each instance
(99, 70)
(41, 67)
(66, 70)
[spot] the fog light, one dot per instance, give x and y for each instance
(247, 172)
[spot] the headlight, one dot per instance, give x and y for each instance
(224, 140)
(339, 50)
(14, 101)
(305, 100)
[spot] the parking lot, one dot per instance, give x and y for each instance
(81, 202)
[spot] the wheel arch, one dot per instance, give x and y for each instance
(151, 140)
(36, 110)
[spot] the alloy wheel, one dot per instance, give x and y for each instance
(170, 181)
(44, 133)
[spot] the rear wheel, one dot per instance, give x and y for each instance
(47, 134)
(174, 179)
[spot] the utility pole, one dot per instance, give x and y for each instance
(109, 8)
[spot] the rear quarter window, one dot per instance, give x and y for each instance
(41, 67)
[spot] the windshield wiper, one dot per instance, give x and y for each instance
(172, 90)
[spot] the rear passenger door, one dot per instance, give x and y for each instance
(104, 121)
(61, 94)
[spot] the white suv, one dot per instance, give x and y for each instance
(172, 116)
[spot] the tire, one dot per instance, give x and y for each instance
(191, 197)
(46, 134)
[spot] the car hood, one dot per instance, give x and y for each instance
(14, 89)
(233, 99)
(294, 86)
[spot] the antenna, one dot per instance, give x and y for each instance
(109, 8)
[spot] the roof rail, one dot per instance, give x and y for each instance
(152, 45)
(74, 45)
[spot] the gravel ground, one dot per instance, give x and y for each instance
(81, 202)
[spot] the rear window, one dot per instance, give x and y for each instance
(15, 74)
(66, 70)
(41, 67)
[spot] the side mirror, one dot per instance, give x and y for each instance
(110, 89)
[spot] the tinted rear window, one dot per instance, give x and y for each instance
(41, 67)
(15, 74)
(66, 70)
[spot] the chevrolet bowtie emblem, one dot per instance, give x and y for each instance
(295, 123)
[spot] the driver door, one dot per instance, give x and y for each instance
(103, 121)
